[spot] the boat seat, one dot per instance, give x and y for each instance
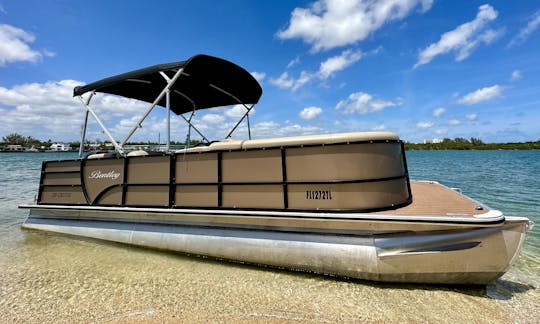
(194, 149)
(137, 153)
(226, 145)
(102, 155)
(319, 139)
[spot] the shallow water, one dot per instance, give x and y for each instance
(53, 278)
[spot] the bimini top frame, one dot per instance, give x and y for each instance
(200, 82)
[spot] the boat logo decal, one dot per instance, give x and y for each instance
(98, 174)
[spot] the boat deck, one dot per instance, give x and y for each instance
(434, 199)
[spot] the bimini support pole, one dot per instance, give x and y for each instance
(105, 130)
(246, 114)
(85, 124)
(170, 83)
(240, 102)
(168, 104)
(190, 125)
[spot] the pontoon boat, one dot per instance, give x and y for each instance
(337, 204)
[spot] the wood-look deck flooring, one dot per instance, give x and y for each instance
(430, 198)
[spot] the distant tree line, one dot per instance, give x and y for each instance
(458, 143)
(29, 141)
(473, 143)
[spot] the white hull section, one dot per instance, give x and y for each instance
(459, 255)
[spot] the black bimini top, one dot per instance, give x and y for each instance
(205, 82)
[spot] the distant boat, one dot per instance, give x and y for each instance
(338, 204)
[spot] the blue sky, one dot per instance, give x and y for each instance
(420, 68)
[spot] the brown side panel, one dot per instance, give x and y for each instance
(367, 195)
(68, 178)
(62, 195)
(197, 168)
(196, 196)
(253, 196)
(252, 166)
(112, 196)
(61, 183)
(62, 166)
(147, 195)
(345, 162)
(148, 169)
(100, 175)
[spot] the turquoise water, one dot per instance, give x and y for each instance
(50, 278)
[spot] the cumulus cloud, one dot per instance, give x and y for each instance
(237, 111)
(438, 112)
(15, 46)
(328, 24)
(525, 32)
(338, 63)
(310, 113)
(286, 82)
(516, 75)
(424, 124)
(213, 118)
(259, 76)
(471, 116)
(327, 69)
(364, 103)
(49, 110)
(480, 95)
(463, 39)
(454, 122)
(379, 128)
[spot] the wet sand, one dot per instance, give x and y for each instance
(47, 278)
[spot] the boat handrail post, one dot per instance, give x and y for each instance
(85, 124)
(170, 83)
(105, 130)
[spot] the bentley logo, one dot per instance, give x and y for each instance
(97, 174)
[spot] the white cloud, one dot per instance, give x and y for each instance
(269, 129)
(237, 111)
(379, 128)
(15, 45)
(293, 62)
(424, 124)
(47, 110)
(284, 81)
(438, 112)
(327, 24)
(516, 75)
(364, 103)
(338, 63)
(327, 69)
(464, 38)
(213, 118)
(454, 122)
(310, 113)
(525, 32)
(259, 76)
(2, 10)
(480, 95)
(471, 116)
